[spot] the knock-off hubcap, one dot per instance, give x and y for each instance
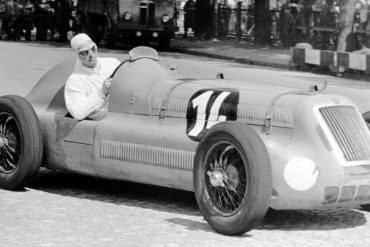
(217, 178)
(3, 142)
(226, 177)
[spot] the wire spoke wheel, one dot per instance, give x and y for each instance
(9, 143)
(21, 146)
(232, 178)
(225, 177)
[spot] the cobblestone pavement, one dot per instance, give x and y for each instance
(64, 209)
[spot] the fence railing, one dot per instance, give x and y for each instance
(317, 26)
(237, 23)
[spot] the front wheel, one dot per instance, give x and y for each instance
(232, 178)
(366, 207)
(20, 142)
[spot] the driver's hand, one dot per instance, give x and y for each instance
(106, 86)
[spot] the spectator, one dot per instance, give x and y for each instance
(63, 16)
(189, 9)
(41, 21)
(203, 19)
(287, 25)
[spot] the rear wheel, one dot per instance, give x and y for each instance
(366, 207)
(20, 142)
(232, 178)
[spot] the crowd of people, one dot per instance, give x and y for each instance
(292, 21)
(36, 19)
(317, 21)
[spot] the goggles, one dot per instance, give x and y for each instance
(84, 53)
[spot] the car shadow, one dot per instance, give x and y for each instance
(183, 202)
(317, 220)
(293, 220)
(116, 192)
(193, 225)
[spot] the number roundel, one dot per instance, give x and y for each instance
(208, 107)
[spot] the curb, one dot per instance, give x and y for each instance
(224, 57)
(338, 62)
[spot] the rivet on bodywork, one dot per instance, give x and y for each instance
(132, 98)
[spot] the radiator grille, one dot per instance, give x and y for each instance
(347, 127)
(147, 13)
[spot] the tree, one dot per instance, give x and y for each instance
(262, 22)
(203, 19)
(346, 16)
(308, 18)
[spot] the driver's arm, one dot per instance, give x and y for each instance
(106, 86)
(81, 104)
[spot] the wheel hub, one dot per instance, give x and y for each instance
(225, 177)
(233, 176)
(217, 178)
(3, 142)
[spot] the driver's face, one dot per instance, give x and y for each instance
(89, 57)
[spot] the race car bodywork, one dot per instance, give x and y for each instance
(239, 147)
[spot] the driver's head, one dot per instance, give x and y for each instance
(86, 49)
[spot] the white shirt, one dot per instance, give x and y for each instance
(83, 90)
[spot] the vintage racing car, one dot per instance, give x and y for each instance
(239, 147)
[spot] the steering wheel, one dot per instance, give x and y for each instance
(136, 54)
(119, 65)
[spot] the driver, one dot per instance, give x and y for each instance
(86, 90)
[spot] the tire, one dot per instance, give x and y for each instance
(366, 117)
(21, 145)
(246, 162)
(366, 207)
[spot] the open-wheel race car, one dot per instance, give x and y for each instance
(239, 147)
